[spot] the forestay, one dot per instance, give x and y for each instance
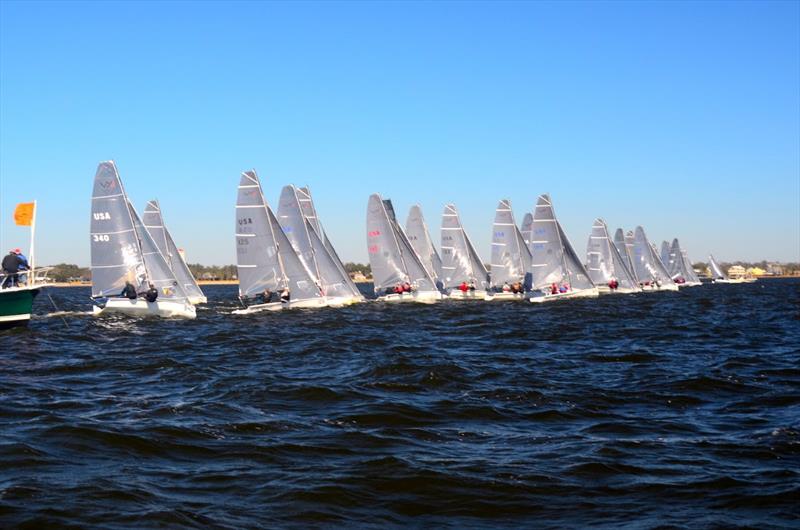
(116, 255)
(603, 260)
(420, 239)
(646, 262)
(510, 255)
(257, 259)
(460, 260)
(154, 223)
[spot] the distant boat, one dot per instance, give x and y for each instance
(310, 213)
(624, 245)
(420, 238)
(16, 299)
(719, 276)
(650, 270)
(124, 252)
(605, 265)
(555, 265)
(154, 223)
(311, 250)
(460, 260)
(511, 258)
(266, 261)
(680, 268)
(392, 258)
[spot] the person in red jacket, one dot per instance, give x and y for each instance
(463, 287)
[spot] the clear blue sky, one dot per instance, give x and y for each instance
(683, 117)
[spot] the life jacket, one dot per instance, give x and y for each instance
(463, 287)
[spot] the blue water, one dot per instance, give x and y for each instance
(655, 410)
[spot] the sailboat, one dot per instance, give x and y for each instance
(19, 291)
(124, 252)
(392, 258)
(680, 268)
(311, 250)
(526, 227)
(154, 223)
(265, 259)
(665, 255)
(555, 265)
(421, 242)
(650, 271)
(511, 258)
(718, 275)
(460, 260)
(605, 265)
(310, 213)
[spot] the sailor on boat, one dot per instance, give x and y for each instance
(129, 291)
(151, 294)
(12, 264)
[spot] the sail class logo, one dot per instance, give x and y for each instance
(108, 185)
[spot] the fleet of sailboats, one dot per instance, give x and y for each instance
(286, 261)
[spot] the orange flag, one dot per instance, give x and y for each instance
(23, 214)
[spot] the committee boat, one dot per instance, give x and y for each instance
(557, 272)
(154, 223)
(461, 265)
(312, 252)
(605, 265)
(511, 258)
(123, 252)
(397, 270)
(650, 270)
(266, 262)
(420, 238)
(310, 213)
(18, 290)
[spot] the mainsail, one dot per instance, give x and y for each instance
(603, 260)
(154, 223)
(679, 266)
(666, 256)
(310, 213)
(511, 258)
(553, 260)
(646, 262)
(460, 260)
(116, 254)
(687, 263)
(420, 239)
(625, 249)
(391, 256)
(716, 271)
(526, 228)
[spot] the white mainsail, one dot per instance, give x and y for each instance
(511, 258)
(716, 271)
(646, 262)
(603, 260)
(460, 260)
(553, 260)
(420, 239)
(526, 228)
(626, 251)
(666, 256)
(154, 223)
(391, 256)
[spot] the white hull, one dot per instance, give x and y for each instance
(342, 301)
(580, 293)
(653, 289)
(197, 300)
(504, 296)
(455, 294)
(420, 297)
(605, 289)
(732, 280)
(143, 308)
(310, 303)
(688, 284)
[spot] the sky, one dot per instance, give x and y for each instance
(681, 117)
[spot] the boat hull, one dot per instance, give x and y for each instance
(342, 301)
(504, 297)
(197, 300)
(419, 297)
(16, 304)
(311, 303)
(604, 289)
(581, 293)
(143, 308)
(466, 295)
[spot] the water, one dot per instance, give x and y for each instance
(661, 409)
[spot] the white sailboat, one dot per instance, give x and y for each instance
(718, 275)
(460, 261)
(511, 258)
(124, 252)
(680, 268)
(392, 258)
(266, 261)
(311, 251)
(605, 265)
(421, 242)
(650, 271)
(624, 245)
(154, 223)
(555, 267)
(310, 213)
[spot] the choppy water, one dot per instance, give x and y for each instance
(651, 410)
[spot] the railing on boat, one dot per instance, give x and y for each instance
(29, 278)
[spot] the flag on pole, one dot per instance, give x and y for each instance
(23, 214)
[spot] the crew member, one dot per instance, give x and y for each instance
(129, 291)
(151, 294)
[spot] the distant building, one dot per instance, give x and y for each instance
(774, 269)
(737, 271)
(756, 271)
